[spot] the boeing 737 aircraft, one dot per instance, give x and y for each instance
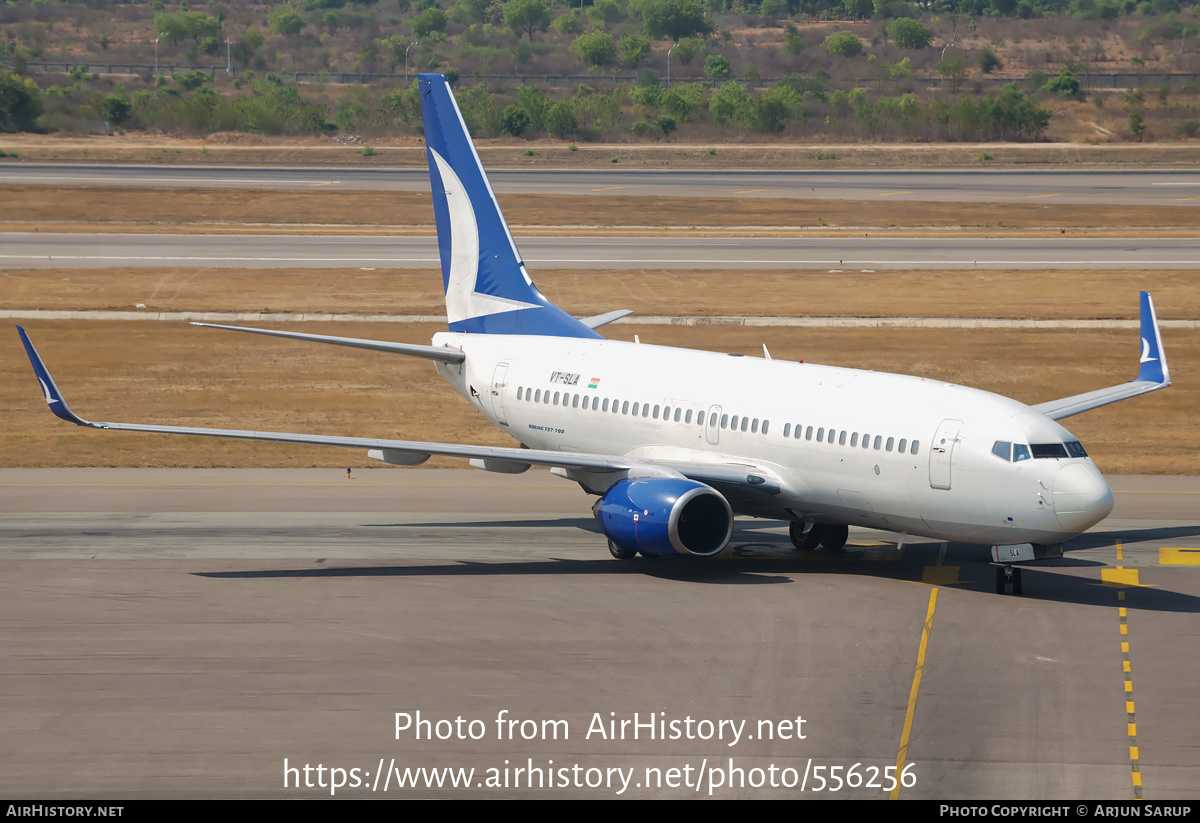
(675, 442)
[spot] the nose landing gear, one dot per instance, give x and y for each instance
(1005, 575)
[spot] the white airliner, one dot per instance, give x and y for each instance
(675, 442)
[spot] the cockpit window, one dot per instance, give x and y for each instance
(1048, 450)
(1003, 450)
(1075, 448)
(1020, 452)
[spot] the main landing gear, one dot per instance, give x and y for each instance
(1004, 576)
(620, 553)
(831, 537)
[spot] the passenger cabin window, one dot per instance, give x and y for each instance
(787, 429)
(854, 439)
(625, 407)
(724, 420)
(678, 411)
(808, 434)
(866, 440)
(754, 426)
(821, 434)
(842, 438)
(605, 408)
(745, 420)
(645, 410)
(891, 441)
(878, 441)
(797, 432)
(916, 444)
(657, 409)
(765, 424)
(636, 406)
(733, 421)
(1003, 450)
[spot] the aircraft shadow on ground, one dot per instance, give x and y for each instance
(767, 559)
(587, 524)
(1099, 539)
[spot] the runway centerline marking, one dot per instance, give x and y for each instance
(890, 193)
(748, 191)
(610, 188)
(1036, 196)
(902, 755)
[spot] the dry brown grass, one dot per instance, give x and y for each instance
(144, 372)
(170, 206)
(510, 153)
(1018, 293)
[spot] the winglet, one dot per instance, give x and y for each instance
(54, 398)
(1153, 366)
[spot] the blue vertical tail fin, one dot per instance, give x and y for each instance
(488, 290)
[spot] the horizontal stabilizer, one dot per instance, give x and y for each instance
(598, 320)
(1153, 373)
(446, 355)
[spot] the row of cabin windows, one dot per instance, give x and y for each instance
(852, 439)
(657, 411)
(731, 422)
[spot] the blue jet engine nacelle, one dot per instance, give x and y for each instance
(665, 515)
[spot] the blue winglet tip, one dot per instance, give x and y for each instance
(1152, 366)
(52, 395)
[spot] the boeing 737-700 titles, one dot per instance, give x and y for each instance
(676, 442)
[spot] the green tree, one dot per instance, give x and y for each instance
(675, 19)
(286, 20)
(685, 51)
(561, 121)
(858, 9)
(429, 21)
(1137, 126)
(515, 121)
(843, 43)
(988, 61)
(595, 48)
(526, 16)
(20, 102)
(793, 43)
(1065, 85)
(729, 103)
(954, 69)
(909, 34)
(634, 49)
(175, 27)
(717, 67)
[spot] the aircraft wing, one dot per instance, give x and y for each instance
(1153, 373)
(739, 474)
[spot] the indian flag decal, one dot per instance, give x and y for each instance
(594, 382)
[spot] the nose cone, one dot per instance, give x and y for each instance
(1082, 498)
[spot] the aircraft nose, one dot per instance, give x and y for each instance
(1082, 497)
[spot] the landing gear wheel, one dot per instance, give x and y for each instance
(620, 553)
(802, 540)
(834, 537)
(1006, 575)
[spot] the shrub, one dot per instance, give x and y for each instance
(596, 48)
(717, 67)
(909, 34)
(843, 43)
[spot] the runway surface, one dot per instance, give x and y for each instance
(1135, 187)
(47, 250)
(181, 633)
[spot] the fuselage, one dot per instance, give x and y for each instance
(888, 451)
